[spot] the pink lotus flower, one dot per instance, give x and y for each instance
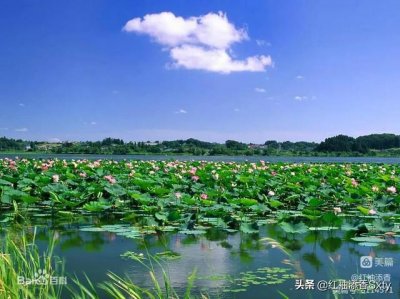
(110, 179)
(372, 212)
(391, 189)
(178, 195)
(273, 173)
(354, 182)
(12, 165)
(193, 171)
(83, 174)
(56, 178)
(203, 196)
(195, 178)
(271, 193)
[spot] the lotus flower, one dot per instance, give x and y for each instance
(56, 178)
(337, 210)
(354, 182)
(110, 179)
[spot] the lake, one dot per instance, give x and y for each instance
(248, 230)
(229, 264)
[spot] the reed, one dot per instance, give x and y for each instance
(25, 272)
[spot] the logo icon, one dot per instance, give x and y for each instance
(366, 261)
(41, 277)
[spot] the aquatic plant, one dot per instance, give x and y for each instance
(24, 272)
(193, 196)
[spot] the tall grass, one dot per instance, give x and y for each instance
(118, 287)
(20, 259)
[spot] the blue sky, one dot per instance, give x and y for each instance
(212, 70)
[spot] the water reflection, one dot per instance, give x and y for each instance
(222, 259)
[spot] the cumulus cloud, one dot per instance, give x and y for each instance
(93, 123)
(200, 43)
(299, 77)
(213, 30)
(259, 89)
(21, 104)
(215, 60)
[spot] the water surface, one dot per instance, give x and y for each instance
(229, 264)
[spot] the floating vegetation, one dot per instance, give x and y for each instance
(168, 255)
(192, 232)
(133, 256)
(368, 239)
(193, 196)
(260, 276)
(118, 229)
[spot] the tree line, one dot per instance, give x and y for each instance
(368, 144)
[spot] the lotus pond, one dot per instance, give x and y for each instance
(249, 230)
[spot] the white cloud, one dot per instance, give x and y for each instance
(93, 123)
(299, 77)
(21, 130)
(236, 109)
(300, 98)
(259, 89)
(213, 30)
(200, 43)
(21, 104)
(216, 60)
(181, 111)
